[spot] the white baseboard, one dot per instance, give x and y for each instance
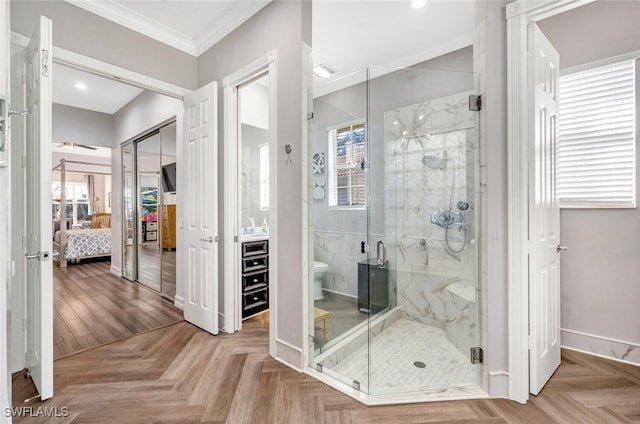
(340, 293)
(178, 301)
(288, 355)
(221, 326)
(115, 271)
(618, 350)
(498, 384)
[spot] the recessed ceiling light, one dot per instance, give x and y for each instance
(81, 86)
(417, 4)
(323, 70)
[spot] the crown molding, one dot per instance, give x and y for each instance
(121, 15)
(214, 33)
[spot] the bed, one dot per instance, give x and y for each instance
(85, 243)
(75, 244)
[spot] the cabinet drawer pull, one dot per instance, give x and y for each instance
(255, 280)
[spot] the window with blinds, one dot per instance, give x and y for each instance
(347, 159)
(596, 137)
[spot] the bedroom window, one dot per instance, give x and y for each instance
(77, 201)
(596, 137)
(347, 158)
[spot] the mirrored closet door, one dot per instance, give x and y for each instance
(149, 187)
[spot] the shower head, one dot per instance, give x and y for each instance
(436, 160)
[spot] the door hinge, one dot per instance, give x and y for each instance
(309, 116)
(45, 63)
(477, 355)
(475, 103)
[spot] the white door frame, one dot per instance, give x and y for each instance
(519, 15)
(106, 70)
(232, 286)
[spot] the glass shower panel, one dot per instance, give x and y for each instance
(422, 213)
(339, 306)
(129, 213)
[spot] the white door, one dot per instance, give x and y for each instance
(544, 214)
(201, 212)
(38, 203)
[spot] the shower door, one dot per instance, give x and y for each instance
(422, 191)
(395, 218)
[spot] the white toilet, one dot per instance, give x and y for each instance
(319, 270)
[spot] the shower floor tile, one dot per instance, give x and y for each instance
(394, 353)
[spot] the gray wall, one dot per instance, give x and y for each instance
(600, 271)
(596, 31)
(386, 93)
(82, 32)
(277, 26)
(82, 126)
(490, 62)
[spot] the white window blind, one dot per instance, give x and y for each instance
(596, 137)
(347, 158)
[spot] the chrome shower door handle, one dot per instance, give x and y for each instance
(382, 260)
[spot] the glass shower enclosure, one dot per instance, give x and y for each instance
(400, 297)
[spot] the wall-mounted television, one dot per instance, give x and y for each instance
(169, 177)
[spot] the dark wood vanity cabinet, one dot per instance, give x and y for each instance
(255, 277)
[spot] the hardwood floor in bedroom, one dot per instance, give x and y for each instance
(181, 374)
(93, 307)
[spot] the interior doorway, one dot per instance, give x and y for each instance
(250, 216)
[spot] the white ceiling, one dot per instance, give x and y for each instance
(188, 25)
(353, 35)
(79, 153)
(102, 94)
(349, 35)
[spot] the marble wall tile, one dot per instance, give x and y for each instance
(341, 251)
(430, 279)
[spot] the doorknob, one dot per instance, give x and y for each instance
(210, 239)
(41, 256)
(561, 248)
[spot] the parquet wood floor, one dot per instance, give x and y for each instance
(180, 374)
(93, 307)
